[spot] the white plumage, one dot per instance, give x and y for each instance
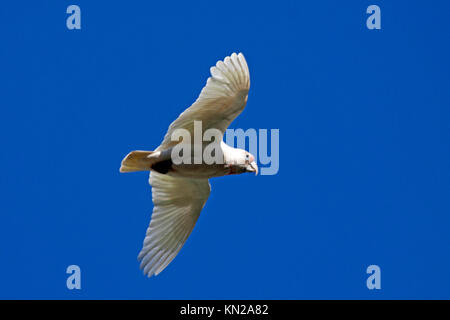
(180, 192)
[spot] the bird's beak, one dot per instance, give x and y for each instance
(252, 167)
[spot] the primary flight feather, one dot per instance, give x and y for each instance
(180, 190)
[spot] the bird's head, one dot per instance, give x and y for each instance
(246, 162)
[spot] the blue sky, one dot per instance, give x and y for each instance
(364, 148)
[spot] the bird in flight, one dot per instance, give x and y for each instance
(180, 189)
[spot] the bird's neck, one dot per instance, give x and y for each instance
(230, 154)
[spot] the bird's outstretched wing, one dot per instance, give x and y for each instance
(177, 205)
(220, 101)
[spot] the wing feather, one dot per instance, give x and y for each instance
(177, 205)
(221, 100)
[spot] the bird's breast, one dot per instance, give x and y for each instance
(200, 171)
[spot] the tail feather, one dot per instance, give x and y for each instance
(139, 161)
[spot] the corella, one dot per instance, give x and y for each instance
(179, 169)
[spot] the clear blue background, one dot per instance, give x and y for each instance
(364, 148)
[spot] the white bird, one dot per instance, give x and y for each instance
(179, 191)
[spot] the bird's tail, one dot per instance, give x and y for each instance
(139, 161)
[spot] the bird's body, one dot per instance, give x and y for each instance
(180, 188)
